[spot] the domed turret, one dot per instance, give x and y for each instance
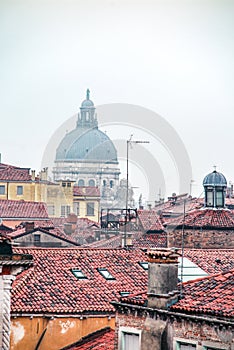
(215, 185)
(215, 179)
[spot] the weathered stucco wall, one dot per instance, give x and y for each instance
(59, 332)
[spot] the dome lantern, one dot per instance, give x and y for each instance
(215, 185)
(87, 117)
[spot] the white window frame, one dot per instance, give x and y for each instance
(131, 330)
(178, 341)
(214, 345)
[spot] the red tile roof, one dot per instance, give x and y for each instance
(150, 220)
(87, 191)
(5, 229)
(210, 295)
(50, 286)
(55, 232)
(206, 218)
(147, 240)
(22, 210)
(212, 260)
(12, 173)
(102, 339)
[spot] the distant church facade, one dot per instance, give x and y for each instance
(87, 156)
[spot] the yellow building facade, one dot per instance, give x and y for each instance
(61, 197)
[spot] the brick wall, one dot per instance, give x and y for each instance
(194, 238)
(161, 332)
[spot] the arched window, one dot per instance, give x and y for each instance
(81, 182)
(104, 183)
(92, 183)
(111, 183)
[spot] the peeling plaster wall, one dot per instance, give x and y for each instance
(60, 332)
(158, 334)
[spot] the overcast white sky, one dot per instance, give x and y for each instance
(174, 57)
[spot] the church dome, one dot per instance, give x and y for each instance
(215, 179)
(87, 104)
(86, 145)
(86, 142)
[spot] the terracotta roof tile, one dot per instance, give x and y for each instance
(12, 173)
(53, 288)
(100, 340)
(212, 260)
(147, 240)
(21, 209)
(210, 295)
(206, 218)
(150, 220)
(87, 191)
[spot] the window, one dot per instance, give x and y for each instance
(124, 294)
(78, 273)
(90, 209)
(216, 346)
(63, 184)
(106, 274)
(219, 199)
(92, 183)
(65, 210)
(111, 183)
(185, 346)
(51, 209)
(104, 183)
(2, 189)
(209, 199)
(69, 184)
(129, 338)
(37, 238)
(81, 182)
(77, 208)
(144, 264)
(19, 190)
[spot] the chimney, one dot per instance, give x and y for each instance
(29, 226)
(126, 240)
(33, 175)
(44, 174)
(162, 278)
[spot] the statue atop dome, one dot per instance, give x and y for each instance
(87, 118)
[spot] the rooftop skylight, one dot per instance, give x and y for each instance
(191, 271)
(124, 294)
(106, 274)
(144, 264)
(78, 273)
